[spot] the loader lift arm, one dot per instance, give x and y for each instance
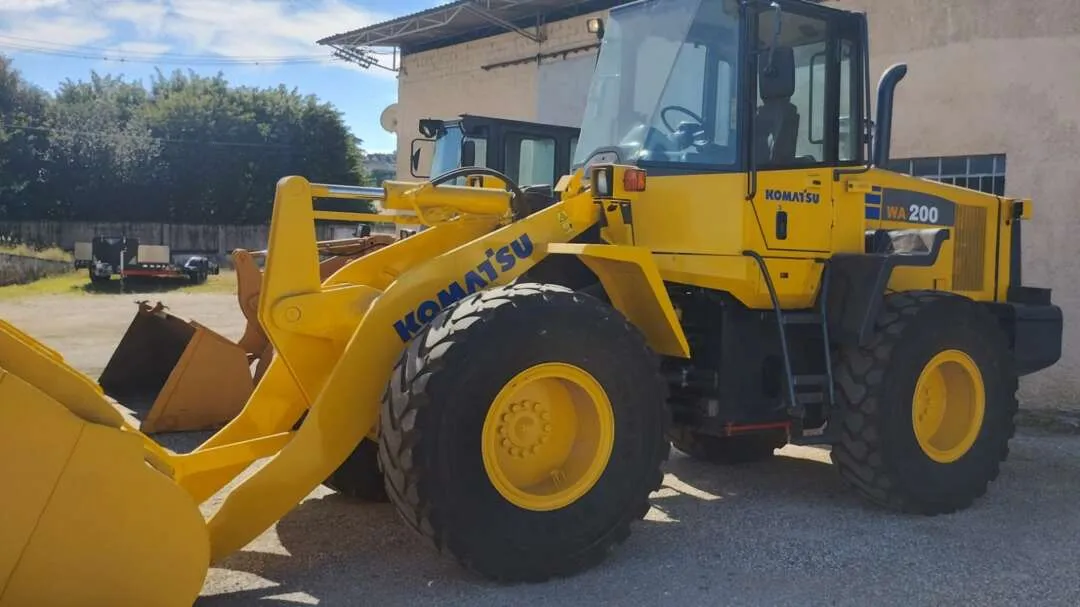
(315, 359)
(323, 330)
(312, 371)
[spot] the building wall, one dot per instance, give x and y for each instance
(1002, 77)
(445, 82)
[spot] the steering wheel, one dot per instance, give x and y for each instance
(663, 116)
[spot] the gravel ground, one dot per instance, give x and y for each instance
(86, 328)
(776, 533)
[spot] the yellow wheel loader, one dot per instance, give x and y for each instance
(747, 276)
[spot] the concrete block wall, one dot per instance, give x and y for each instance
(445, 82)
(19, 269)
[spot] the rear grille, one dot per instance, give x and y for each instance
(969, 248)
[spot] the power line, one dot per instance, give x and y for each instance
(45, 45)
(173, 61)
(363, 57)
(98, 53)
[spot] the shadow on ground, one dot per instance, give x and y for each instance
(782, 532)
(334, 547)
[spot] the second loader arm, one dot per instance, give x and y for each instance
(249, 286)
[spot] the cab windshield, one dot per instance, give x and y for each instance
(447, 155)
(449, 148)
(664, 87)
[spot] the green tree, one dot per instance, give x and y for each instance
(186, 148)
(103, 153)
(240, 141)
(23, 148)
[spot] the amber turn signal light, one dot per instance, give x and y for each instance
(634, 180)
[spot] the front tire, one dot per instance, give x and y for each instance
(928, 406)
(456, 446)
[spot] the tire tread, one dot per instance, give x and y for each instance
(858, 455)
(406, 397)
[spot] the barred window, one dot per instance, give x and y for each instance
(985, 173)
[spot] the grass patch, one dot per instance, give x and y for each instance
(78, 283)
(52, 253)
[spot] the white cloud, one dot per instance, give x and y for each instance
(140, 48)
(61, 32)
(240, 30)
(147, 17)
(28, 5)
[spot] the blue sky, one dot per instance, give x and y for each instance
(52, 40)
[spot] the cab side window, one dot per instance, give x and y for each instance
(530, 160)
(790, 122)
(849, 149)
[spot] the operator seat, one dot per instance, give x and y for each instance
(776, 124)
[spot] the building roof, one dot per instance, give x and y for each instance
(464, 21)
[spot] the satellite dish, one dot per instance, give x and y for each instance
(389, 118)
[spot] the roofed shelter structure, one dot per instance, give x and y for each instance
(524, 60)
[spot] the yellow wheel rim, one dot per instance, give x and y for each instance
(548, 436)
(948, 406)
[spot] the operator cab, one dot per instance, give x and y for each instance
(530, 153)
(684, 85)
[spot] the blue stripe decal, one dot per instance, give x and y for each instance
(873, 199)
(873, 212)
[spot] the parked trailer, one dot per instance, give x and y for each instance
(108, 256)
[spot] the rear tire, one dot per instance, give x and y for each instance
(880, 452)
(730, 450)
(359, 477)
(436, 411)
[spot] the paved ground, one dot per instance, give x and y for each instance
(784, 532)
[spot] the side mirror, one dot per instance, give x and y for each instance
(468, 153)
(415, 154)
